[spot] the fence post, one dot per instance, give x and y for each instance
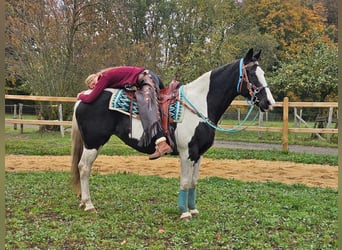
(331, 110)
(285, 140)
(261, 117)
(15, 116)
(21, 117)
(60, 115)
(295, 117)
(295, 114)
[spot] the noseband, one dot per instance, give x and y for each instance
(243, 78)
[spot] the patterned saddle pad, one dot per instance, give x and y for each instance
(119, 101)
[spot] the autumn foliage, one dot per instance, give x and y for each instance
(52, 45)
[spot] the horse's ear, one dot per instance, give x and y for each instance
(257, 56)
(249, 56)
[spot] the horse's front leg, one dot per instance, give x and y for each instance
(84, 166)
(188, 182)
(192, 190)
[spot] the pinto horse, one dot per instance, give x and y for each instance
(205, 101)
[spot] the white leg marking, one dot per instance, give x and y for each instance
(194, 212)
(186, 216)
(86, 162)
(186, 172)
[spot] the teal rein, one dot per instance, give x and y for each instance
(207, 121)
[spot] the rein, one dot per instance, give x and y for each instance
(210, 123)
(253, 90)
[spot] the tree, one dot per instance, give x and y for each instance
(44, 44)
(290, 22)
(44, 38)
(211, 33)
(53, 45)
(311, 76)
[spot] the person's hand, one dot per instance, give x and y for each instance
(78, 95)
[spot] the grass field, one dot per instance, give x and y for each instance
(140, 212)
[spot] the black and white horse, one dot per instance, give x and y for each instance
(206, 100)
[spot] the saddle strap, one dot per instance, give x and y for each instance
(130, 117)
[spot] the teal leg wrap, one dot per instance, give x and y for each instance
(192, 198)
(183, 201)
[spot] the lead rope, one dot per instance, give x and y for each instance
(210, 123)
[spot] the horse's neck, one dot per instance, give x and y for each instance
(214, 91)
(197, 91)
(200, 86)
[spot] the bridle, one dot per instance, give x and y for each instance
(243, 78)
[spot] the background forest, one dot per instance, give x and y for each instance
(52, 45)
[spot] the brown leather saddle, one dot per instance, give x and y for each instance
(167, 97)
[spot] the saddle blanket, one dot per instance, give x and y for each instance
(120, 102)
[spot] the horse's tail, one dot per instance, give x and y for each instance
(76, 153)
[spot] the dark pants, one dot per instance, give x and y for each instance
(148, 104)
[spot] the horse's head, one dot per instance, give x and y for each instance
(252, 84)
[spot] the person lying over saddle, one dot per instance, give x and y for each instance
(148, 85)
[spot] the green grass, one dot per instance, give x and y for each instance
(305, 139)
(42, 213)
(271, 155)
(25, 117)
(275, 137)
(33, 142)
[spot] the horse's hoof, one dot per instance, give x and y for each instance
(194, 212)
(186, 216)
(91, 210)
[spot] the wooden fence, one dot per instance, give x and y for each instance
(285, 129)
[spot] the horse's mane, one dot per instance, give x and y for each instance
(226, 66)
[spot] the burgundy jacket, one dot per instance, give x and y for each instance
(113, 78)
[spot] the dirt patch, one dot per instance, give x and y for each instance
(246, 170)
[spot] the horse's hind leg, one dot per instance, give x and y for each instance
(84, 166)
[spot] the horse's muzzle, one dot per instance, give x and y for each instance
(265, 106)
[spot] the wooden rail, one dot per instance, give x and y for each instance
(285, 130)
(38, 122)
(40, 98)
(291, 130)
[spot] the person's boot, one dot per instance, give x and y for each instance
(162, 148)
